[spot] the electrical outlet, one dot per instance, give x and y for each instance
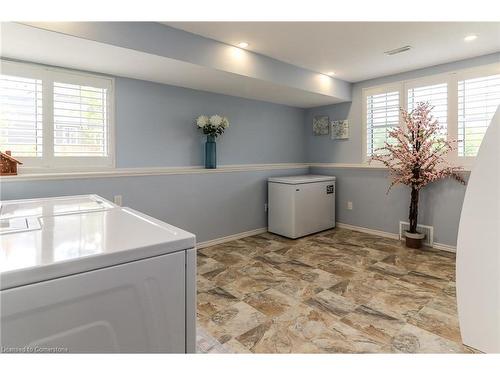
(118, 200)
(349, 205)
(265, 207)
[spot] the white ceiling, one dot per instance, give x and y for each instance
(355, 50)
(28, 43)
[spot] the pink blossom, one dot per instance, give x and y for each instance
(416, 155)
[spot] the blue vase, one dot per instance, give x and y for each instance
(210, 153)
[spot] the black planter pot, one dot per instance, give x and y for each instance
(414, 240)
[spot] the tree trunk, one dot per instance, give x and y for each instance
(413, 217)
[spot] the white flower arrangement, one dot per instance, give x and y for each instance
(215, 120)
(214, 125)
(202, 121)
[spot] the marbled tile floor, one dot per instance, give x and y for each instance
(337, 291)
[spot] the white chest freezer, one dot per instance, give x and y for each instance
(79, 274)
(301, 205)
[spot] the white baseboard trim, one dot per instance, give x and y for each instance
(232, 237)
(254, 232)
(375, 232)
(444, 247)
(394, 236)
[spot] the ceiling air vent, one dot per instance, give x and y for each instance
(397, 50)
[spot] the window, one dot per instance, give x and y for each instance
(464, 104)
(21, 116)
(79, 120)
(437, 96)
(478, 99)
(382, 115)
(56, 119)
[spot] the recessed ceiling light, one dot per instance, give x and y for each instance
(470, 38)
(243, 44)
(330, 73)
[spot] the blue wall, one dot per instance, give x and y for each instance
(155, 126)
(322, 149)
(211, 205)
(441, 203)
(162, 40)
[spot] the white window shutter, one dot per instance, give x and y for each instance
(478, 99)
(437, 96)
(382, 115)
(21, 116)
(80, 121)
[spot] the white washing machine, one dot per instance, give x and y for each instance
(79, 274)
(301, 205)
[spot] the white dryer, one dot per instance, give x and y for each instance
(79, 274)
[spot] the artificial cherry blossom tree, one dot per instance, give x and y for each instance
(415, 154)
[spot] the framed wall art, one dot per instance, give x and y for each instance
(321, 125)
(340, 129)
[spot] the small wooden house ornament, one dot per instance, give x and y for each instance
(8, 164)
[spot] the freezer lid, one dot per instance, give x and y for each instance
(303, 179)
(78, 242)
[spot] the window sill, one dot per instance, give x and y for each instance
(362, 166)
(349, 165)
(158, 171)
(155, 171)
